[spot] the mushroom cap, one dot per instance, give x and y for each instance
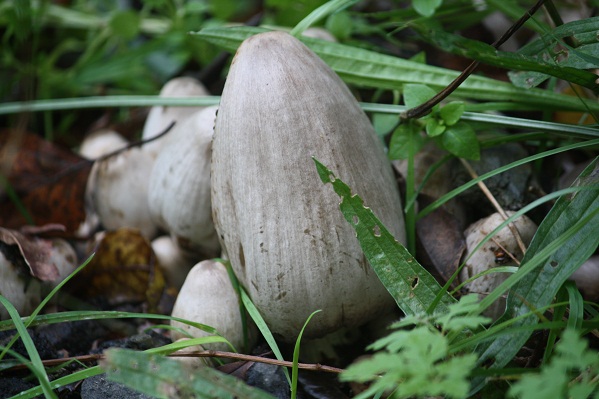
(101, 142)
(179, 187)
(160, 117)
(281, 227)
(487, 258)
(118, 191)
(207, 297)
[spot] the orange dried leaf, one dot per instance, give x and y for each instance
(123, 270)
(49, 181)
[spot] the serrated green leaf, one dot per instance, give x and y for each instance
(412, 287)
(458, 316)
(452, 112)
(413, 363)
(537, 288)
(166, 378)
(461, 141)
(371, 69)
(572, 372)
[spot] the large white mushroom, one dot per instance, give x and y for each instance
(282, 229)
(179, 188)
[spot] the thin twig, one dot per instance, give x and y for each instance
(483, 187)
(258, 359)
(425, 108)
(206, 353)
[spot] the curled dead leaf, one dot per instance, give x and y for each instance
(32, 253)
(123, 270)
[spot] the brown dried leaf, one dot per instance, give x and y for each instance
(35, 253)
(123, 270)
(49, 181)
(441, 242)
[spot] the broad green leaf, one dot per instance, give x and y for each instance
(416, 94)
(435, 127)
(426, 8)
(340, 25)
(406, 140)
(125, 24)
(412, 287)
(452, 112)
(321, 12)
(162, 377)
(461, 141)
(575, 215)
(370, 69)
(384, 123)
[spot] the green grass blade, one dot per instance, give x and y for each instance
(261, 324)
(36, 362)
(296, 352)
(412, 287)
(165, 378)
(576, 315)
(573, 223)
(321, 12)
(370, 69)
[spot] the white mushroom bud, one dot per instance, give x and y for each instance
(160, 117)
(208, 297)
(101, 142)
(281, 227)
(118, 191)
(179, 188)
(587, 278)
(495, 252)
(176, 262)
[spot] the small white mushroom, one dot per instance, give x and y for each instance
(208, 297)
(495, 252)
(176, 262)
(160, 117)
(179, 187)
(21, 290)
(118, 191)
(101, 142)
(24, 291)
(587, 278)
(192, 362)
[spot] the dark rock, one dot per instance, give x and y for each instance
(10, 386)
(99, 387)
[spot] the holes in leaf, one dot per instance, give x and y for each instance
(332, 178)
(355, 219)
(376, 230)
(553, 263)
(414, 282)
